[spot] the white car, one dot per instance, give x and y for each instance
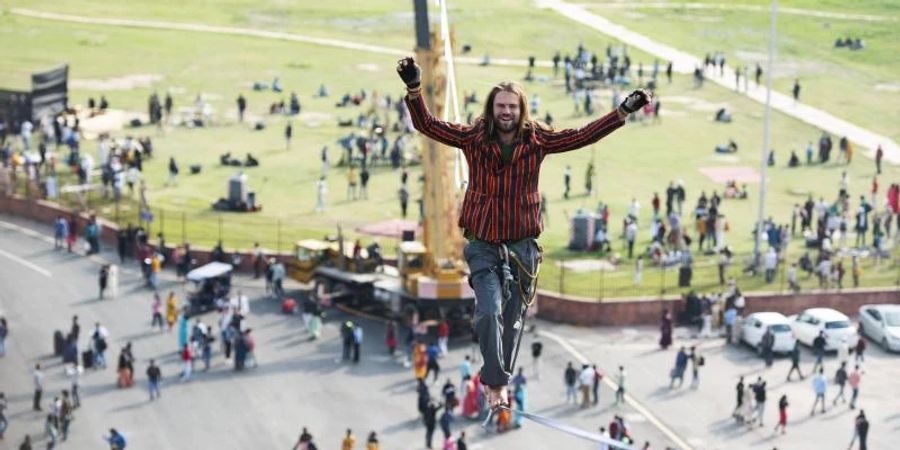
(881, 323)
(835, 324)
(754, 326)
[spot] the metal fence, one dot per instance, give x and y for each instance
(654, 281)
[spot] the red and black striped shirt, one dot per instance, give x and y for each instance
(502, 202)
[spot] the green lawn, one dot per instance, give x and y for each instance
(634, 162)
(839, 81)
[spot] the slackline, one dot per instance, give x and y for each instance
(557, 425)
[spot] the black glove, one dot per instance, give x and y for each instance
(409, 72)
(635, 101)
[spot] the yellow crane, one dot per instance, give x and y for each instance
(434, 268)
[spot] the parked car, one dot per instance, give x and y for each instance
(754, 326)
(881, 323)
(835, 324)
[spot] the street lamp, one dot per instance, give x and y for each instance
(763, 159)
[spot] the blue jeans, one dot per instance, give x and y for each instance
(495, 317)
(154, 389)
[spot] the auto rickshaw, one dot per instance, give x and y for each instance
(210, 284)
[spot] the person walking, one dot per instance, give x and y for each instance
(242, 107)
(429, 417)
(154, 378)
(595, 389)
(66, 414)
(819, 386)
(759, 395)
(364, 183)
(860, 431)
(697, 361)
(677, 373)
(288, 135)
(61, 232)
(860, 349)
(357, 342)
(620, 382)
(796, 90)
(349, 441)
(585, 382)
(569, 378)
(854, 380)
(768, 343)
(304, 442)
(461, 441)
(372, 442)
(4, 422)
(4, 333)
(445, 421)
(432, 353)
(782, 414)
(37, 377)
(156, 309)
(840, 378)
(171, 310)
(103, 278)
(187, 361)
(819, 350)
(173, 173)
(443, 333)
(739, 390)
(403, 194)
(665, 330)
(879, 155)
(537, 348)
(795, 361)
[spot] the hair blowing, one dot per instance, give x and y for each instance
(526, 123)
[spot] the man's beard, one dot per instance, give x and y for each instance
(505, 127)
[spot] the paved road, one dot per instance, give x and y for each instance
(301, 383)
(298, 382)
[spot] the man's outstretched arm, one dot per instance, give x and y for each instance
(444, 132)
(572, 139)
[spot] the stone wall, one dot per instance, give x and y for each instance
(621, 312)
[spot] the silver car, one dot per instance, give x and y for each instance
(881, 323)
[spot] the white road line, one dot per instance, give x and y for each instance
(628, 398)
(27, 264)
(27, 231)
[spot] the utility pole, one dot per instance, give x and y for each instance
(764, 152)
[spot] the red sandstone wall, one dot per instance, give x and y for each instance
(647, 312)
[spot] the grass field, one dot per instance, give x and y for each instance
(634, 162)
(837, 80)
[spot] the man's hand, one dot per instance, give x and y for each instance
(409, 72)
(635, 101)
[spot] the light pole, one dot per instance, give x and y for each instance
(763, 159)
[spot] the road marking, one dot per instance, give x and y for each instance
(628, 398)
(27, 231)
(27, 264)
